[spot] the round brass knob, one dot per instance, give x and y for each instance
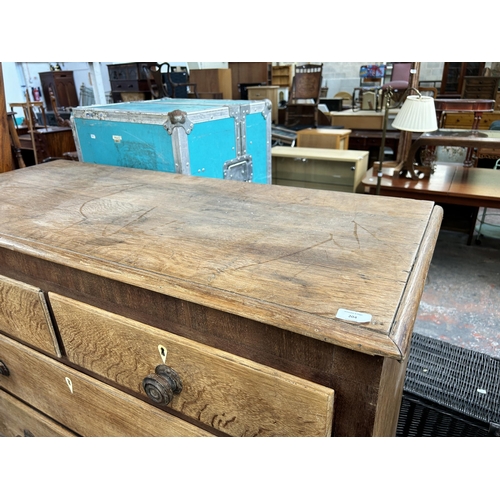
(3, 369)
(162, 385)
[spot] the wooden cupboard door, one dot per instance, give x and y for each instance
(24, 315)
(227, 392)
(86, 406)
(18, 419)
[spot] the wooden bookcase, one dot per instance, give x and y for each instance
(282, 75)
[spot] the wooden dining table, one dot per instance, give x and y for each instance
(451, 184)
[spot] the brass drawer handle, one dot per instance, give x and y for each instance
(162, 385)
(3, 369)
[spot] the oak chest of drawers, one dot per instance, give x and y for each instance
(141, 303)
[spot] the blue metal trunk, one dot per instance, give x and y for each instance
(221, 139)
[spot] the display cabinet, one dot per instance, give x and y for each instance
(454, 74)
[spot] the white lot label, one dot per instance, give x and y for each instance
(355, 316)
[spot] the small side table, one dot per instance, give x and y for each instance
(266, 92)
(323, 138)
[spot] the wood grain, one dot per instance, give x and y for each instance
(230, 393)
(18, 419)
(24, 315)
(91, 408)
(282, 256)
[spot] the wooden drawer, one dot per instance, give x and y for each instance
(24, 315)
(125, 86)
(237, 396)
(84, 405)
(466, 120)
(18, 419)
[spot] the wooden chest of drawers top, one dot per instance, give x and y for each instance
(286, 257)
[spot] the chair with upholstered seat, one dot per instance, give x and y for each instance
(303, 101)
(400, 81)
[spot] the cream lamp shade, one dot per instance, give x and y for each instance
(418, 114)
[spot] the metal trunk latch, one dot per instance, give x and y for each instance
(239, 169)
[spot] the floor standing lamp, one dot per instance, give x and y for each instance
(418, 114)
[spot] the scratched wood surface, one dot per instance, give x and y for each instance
(284, 256)
(230, 393)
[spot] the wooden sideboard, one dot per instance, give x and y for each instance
(50, 142)
(129, 81)
(140, 303)
(319, 168)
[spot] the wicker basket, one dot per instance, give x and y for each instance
(449, 391)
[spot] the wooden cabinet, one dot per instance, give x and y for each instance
(129, 81)
(316, 168)
(50, 142)
(325, 138)
(269, 92)
(63, 87)
(215, 82)
(480, 87)
(454, 74)
(246, 74)
(186, 306)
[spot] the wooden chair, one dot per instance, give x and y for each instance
(175, 85)
(61, 122)
(304, 96)
(159, 89)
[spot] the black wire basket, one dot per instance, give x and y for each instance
(449, 391)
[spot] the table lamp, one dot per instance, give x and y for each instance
(417, 114)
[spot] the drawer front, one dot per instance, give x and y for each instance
(86, 406)
(314, 185)
(259, 94)
(328, 173)
(125, 86)
(24, 315)
(18, 419)
(227, 392)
